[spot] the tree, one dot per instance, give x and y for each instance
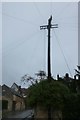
(78, 72)
(48, 95)
(71, 109)
(41, 74)
(27, 78)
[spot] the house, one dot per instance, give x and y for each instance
(7, 98)
(15, 87)
(0, 92)
(72, 83)
(12, 100)
(19, 90)
(24, 92)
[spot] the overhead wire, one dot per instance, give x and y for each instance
(38, 11)
(44, 51)
(73, 29)
(50, 7)
(34, 24)
(22, 42)
(13, 42)
(20, 19)
(63, 9)
(36, 47)
(59, 44)
(62, 53)
(32, 55)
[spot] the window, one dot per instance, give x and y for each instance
(4, 104)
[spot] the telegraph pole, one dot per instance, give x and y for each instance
(48, 27)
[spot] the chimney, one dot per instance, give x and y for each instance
(19, 87)
(67, 75)
(74, 77)
(20, 90)
(79, 77)
(58, 77)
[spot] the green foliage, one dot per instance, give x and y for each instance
(47, 94)
(72, 107)
(57, 95)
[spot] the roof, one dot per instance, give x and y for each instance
(24, 91)
(7, 91)
(15, 87)
(16, 93)
(14, 84)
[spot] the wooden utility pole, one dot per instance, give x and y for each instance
(49, 26)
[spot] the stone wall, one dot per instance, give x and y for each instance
(20, 105)
(41, 112)
(9, 103)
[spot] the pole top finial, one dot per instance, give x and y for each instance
(50, 18)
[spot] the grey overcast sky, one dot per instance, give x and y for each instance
(25, 45)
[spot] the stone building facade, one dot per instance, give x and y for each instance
(11, 100)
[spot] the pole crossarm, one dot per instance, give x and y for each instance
(54, 26)
(46, 26)
(43, 27)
